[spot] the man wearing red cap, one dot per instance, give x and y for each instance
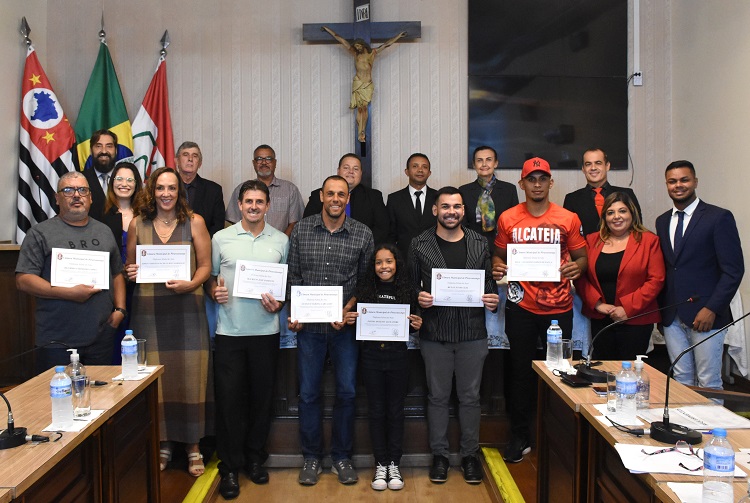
(532, 305)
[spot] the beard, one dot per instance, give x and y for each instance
(104, 163)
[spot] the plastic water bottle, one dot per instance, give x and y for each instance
(627, 388)
(642, 383)
(61, 394)
(554, 345)
(718, 469)
(129, 351)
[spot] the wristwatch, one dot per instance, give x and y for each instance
(120, 310)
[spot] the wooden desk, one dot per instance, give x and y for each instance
(563, 433)
(665, 494)
(114, 458)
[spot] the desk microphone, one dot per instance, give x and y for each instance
(663, 431)
(593, 375)
(12, 437)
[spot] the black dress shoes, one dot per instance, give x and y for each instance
(257, 473)
(229, 486)
(472, 468)
(439, 469)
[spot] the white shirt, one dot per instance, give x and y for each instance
(412, 193)
(685, 220)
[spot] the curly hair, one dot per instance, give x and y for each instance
(111, 201)
(405, 292)
(145, 203)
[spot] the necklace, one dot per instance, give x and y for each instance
(167, 222)
(170, 228)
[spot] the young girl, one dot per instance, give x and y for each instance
(385, 365)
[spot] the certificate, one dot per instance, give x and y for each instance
(383, 322)
(533, 262)
(161, 263)
(79, 267)
(317, 304)
(251, 279)
(458, 287)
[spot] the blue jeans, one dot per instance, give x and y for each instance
(311, 356)
(702, 366)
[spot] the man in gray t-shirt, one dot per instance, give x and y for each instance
(83, 317)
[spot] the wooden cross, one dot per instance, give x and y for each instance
(368, 31)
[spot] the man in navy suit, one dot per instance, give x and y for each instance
(703, 257)
(204, 196)
(583, 201)
(410, 209)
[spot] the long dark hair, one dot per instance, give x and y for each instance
(145, 203)
(111, 197)
(405, 293)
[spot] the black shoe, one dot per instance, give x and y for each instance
(257, 473)
(516, 449)
(439, 469)
(472, 468)
(229, 486)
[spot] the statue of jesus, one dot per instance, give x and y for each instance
(362, 86)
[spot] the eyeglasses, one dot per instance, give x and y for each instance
(680, 447)
(70, 191)
(123, 179)
(264, 159)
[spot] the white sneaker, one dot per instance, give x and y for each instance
(395, 481)
(379, 480)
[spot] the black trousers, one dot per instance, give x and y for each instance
(386, 378)
(245, 371)
(621, 342)
(525, 330)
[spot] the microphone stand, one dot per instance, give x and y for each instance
(12, 437)
(593, 375)
(665, 432)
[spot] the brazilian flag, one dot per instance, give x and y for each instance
(103, 108)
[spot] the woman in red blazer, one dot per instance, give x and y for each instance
(625, 274)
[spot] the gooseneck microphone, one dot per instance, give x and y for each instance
(593, 375)
(11, 437)
(666, 432)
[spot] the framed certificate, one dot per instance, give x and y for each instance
(251, 279)
(533, 262)
(79, 267)
(457, 287)
(316, 304)
(161, 263)
(383, 322)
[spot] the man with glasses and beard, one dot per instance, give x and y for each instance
(83, 316)
(103, 154)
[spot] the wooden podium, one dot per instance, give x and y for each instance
(114, 458)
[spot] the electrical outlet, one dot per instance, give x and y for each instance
(637, 79)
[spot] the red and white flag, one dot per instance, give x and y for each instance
(153, 146)
(46, 139)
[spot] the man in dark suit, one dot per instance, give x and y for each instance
(703, 256)
(486, 197)
(205, 197)
(103, 151)
(410, 209)
(365, 204)
(586, 202)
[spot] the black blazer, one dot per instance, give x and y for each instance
(113, 220)
(366, 206)
(581, 202)
(208, 202)
(97, 194)
(709, 264)
(504, 196)
(405, 224)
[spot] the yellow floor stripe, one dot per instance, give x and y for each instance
(203, 483)
(504, 480)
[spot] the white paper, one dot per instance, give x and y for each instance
(79, 267)
(688, 492)
(699, 417)
(78, 423)
(617, 418)
(533, 262)
(667, 462)
(251, 279)
(142, 374)
(316, 304)
(383, 322)
(161, 263)
(457, 287)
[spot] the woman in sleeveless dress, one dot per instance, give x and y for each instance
(171, 316)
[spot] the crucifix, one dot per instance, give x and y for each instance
(356, 38)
